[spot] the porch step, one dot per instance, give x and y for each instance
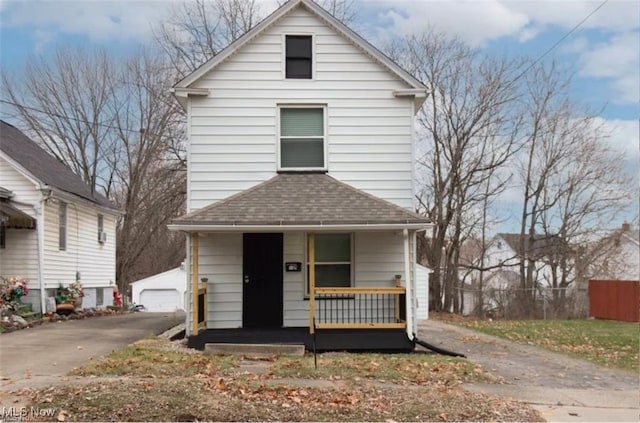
(254, 349)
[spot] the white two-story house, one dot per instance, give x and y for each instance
(53, 229)
(301, 187)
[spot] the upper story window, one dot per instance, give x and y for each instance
(62, 226)
(299, 60)
(101, 235)
(302, 138)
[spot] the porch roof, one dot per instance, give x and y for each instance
(298, 201)
(15, 218)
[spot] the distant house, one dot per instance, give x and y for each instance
(53, 230)
(616, 256)
(300, 188)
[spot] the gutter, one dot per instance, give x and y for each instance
(303, 227)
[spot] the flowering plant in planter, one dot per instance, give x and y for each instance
(12, 289)
(70, 293)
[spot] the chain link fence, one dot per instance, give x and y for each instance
(533, 303)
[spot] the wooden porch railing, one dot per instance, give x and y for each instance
(359, 308)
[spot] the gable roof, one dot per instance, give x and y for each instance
(310, 199)
(43, 166)
(325, 16)
(543, 245)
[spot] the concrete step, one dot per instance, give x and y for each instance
(254, 349)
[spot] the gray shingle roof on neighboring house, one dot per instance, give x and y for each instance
(43, 166)
(543, 245)
(301, 199)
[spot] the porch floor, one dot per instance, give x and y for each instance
(380, 340)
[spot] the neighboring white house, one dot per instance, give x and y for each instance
(54, 230)
(301, 179)
(617, 255)
(162, 292)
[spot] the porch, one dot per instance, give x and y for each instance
(266, 265)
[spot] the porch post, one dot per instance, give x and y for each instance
(311, 245)
(195, 283)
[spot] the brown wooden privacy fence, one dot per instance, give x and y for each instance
(614, 300)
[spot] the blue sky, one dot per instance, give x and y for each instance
(603, 52)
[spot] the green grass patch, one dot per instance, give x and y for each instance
(157, 357)
(604, 342)
(405, 368)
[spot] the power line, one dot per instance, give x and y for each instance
(557, 43)
(104, 125)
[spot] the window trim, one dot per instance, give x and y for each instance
(63, 213)
(325, 137)
(305, 281)
(313, 55)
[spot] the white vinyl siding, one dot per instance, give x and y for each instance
(94, 261)
(377, 258)
(19, 257)
(234, 131)
(220, 258)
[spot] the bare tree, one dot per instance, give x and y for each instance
(114, 123)
(66, 104)
(198, 30)
(572, 184)
(466, 131)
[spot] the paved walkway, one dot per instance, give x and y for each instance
(560, 387)
(41, 356)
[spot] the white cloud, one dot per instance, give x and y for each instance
(99, 20)
(623, 136)
(618, 59)
(474, 22)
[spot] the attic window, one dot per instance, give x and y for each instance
(298, 57)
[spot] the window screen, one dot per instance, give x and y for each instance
(62, 227)
(298, 57)
(302, 138)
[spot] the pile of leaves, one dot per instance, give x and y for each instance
(158, 380)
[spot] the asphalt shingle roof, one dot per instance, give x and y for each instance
(44, 166)
(301, 199)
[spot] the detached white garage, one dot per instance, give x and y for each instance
(162, 292)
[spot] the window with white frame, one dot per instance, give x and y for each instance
(299, 60)
(302, 138)
(62, 226)
(333, 261)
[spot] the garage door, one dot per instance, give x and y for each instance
(160, 299)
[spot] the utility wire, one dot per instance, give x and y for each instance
(557, 43)
(104, 125)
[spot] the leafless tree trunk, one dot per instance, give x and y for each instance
(112, 122)
(572, 183)
(466, 130)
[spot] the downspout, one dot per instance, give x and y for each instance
(407, 285)
(414, 277)
(45, 194)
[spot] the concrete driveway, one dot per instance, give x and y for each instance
(43, 355)
(560, 387)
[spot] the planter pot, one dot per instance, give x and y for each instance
(65, 308)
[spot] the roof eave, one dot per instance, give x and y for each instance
(186, 227)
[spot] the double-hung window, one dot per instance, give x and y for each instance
(333, 261)
(299, 60)
(302, 138)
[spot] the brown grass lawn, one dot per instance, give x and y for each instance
(154, 380)
(604, 342)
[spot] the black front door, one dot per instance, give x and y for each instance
(262, 281)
